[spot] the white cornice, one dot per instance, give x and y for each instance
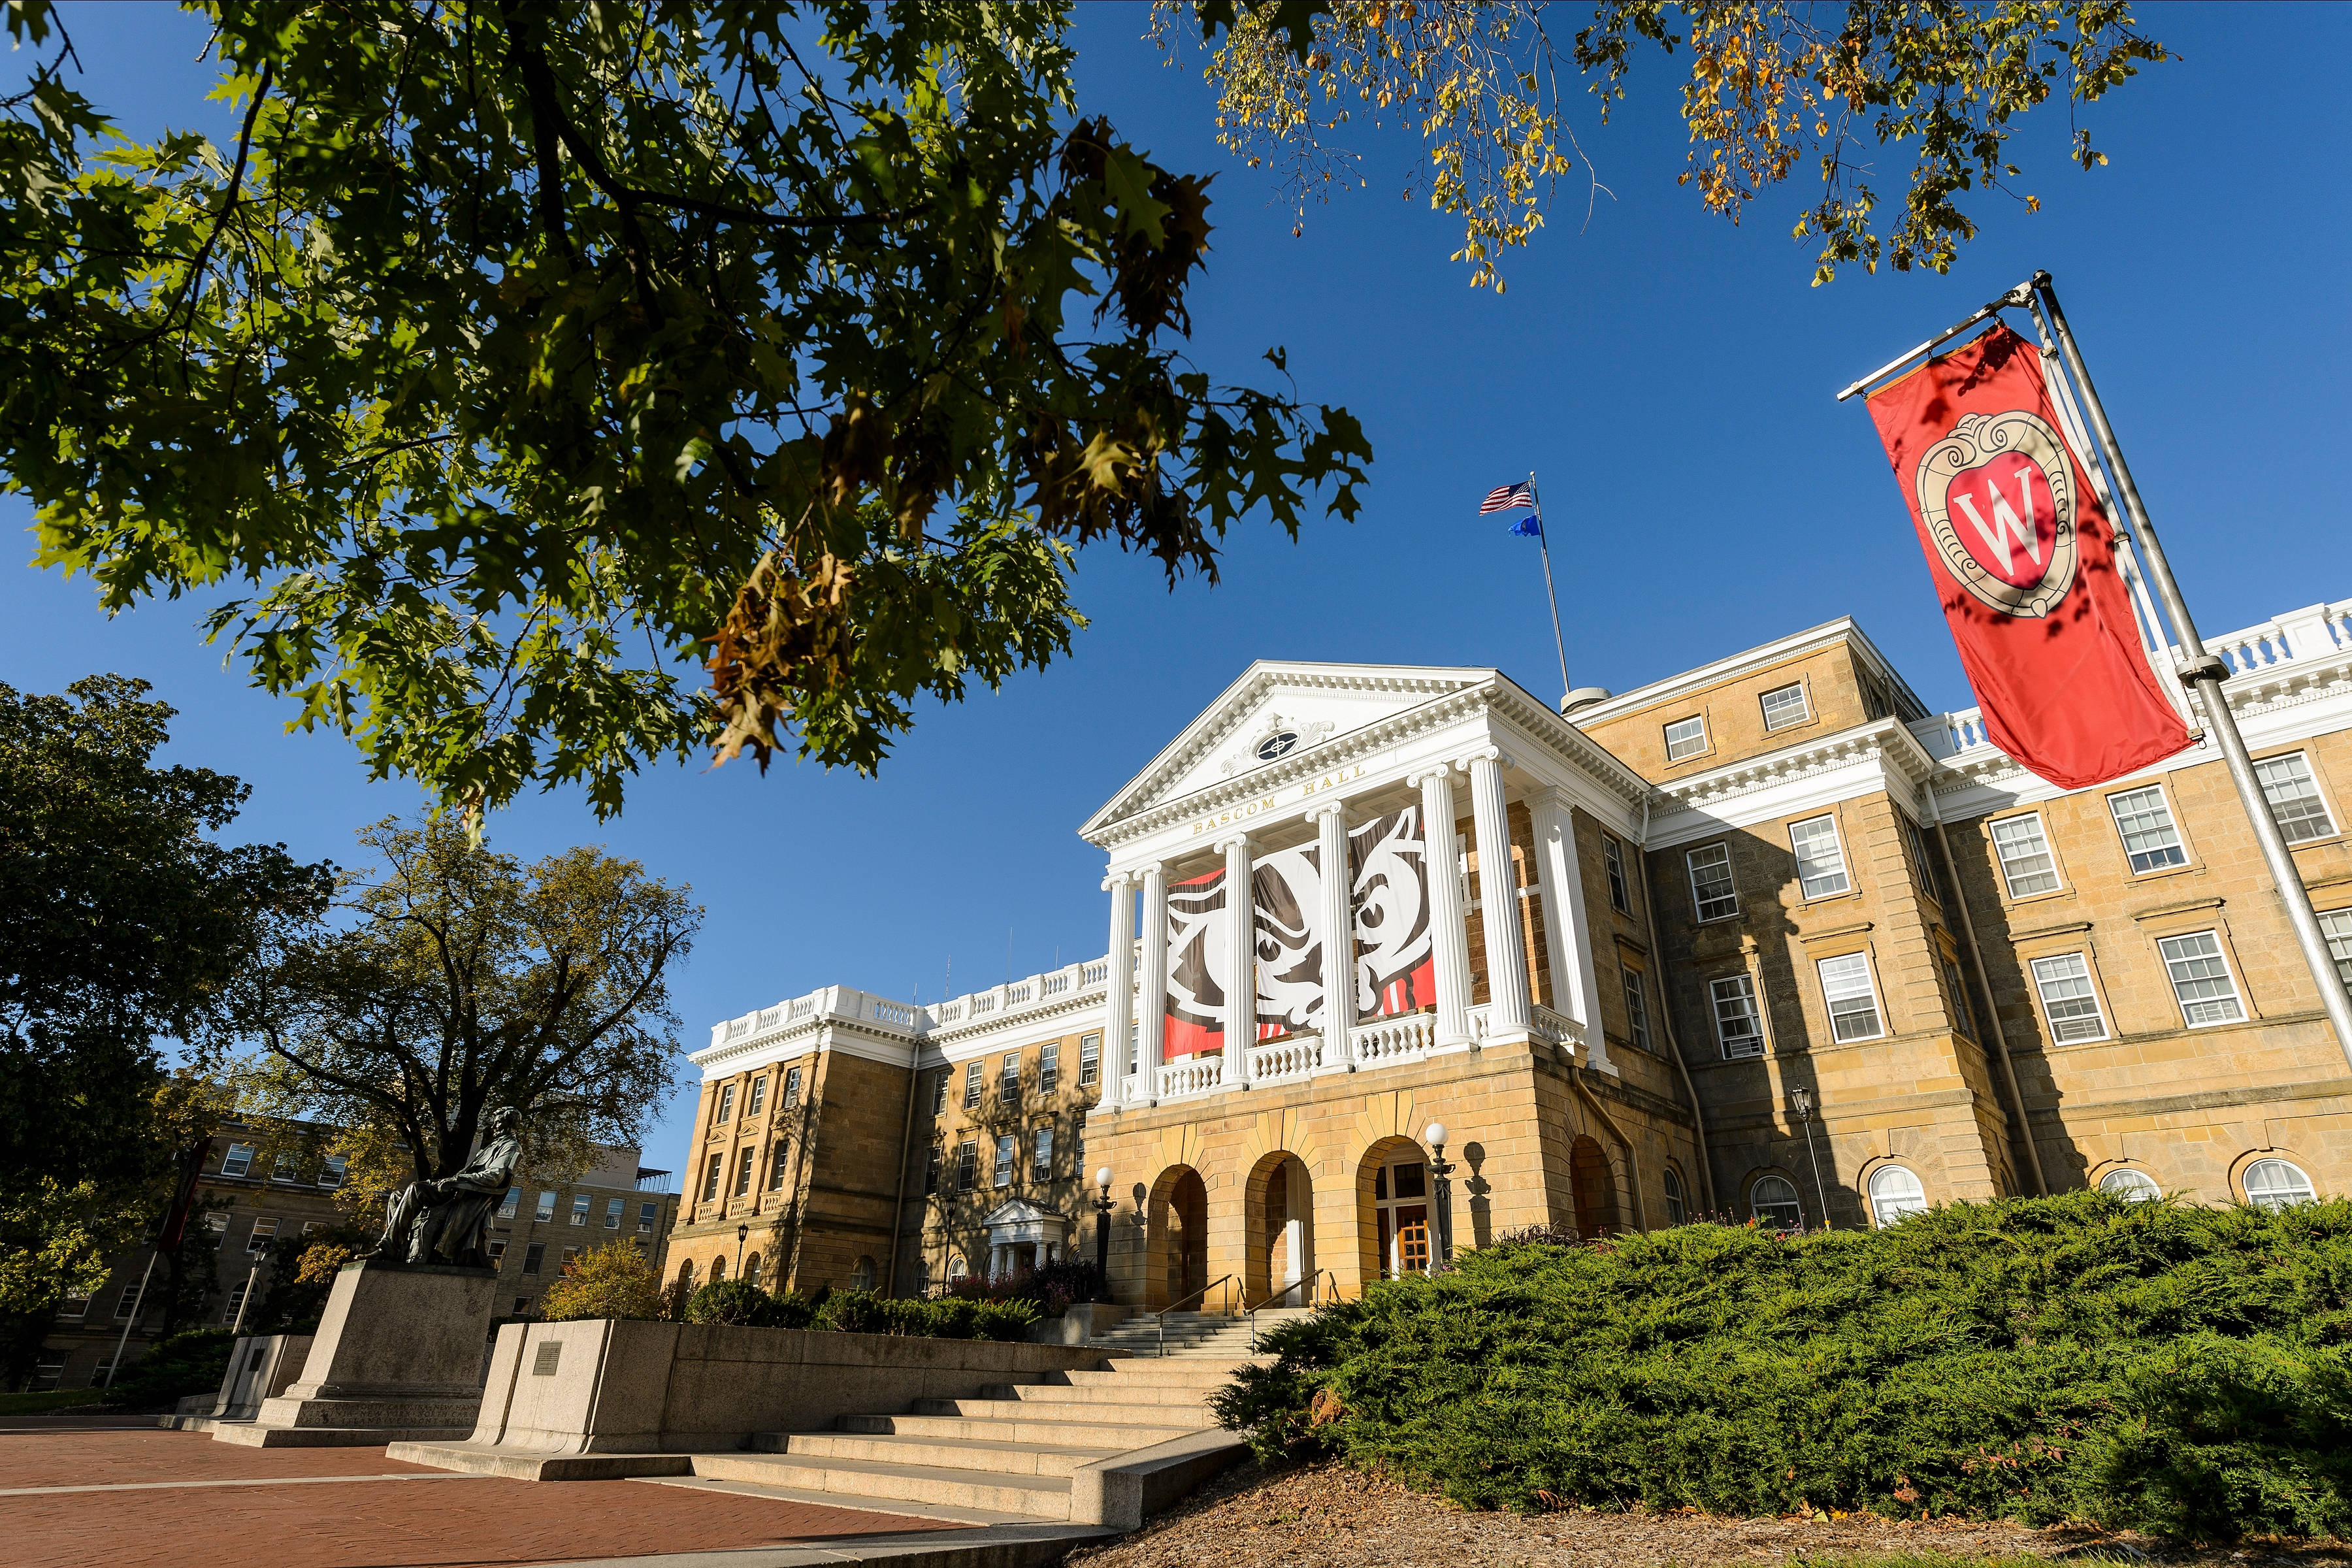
(1234, 706)
(1882, 755)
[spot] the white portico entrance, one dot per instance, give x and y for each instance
(1022, 1237)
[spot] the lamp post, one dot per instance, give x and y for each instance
(1803, 1099)
(1104, 1204)
(743, 1234)
(1440, 1198)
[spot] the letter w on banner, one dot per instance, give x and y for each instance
(2024, 560)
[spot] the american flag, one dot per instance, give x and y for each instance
(1503, 497)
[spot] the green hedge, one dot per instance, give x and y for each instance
(862, 1312)
(2177, 1369)
(193, 1361)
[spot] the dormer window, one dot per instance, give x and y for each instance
(1278, 744)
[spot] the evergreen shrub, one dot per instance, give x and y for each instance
(2177, 1369)
(732, 1301)
(611, 1281)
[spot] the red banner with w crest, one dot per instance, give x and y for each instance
(2024, 562)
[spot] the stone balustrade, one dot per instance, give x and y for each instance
(1297, 1056)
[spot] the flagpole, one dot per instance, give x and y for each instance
(2205, 671)
(1544, 540)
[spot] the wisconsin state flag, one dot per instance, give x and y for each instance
(2024, 560)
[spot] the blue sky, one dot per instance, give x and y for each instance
(1668, 376)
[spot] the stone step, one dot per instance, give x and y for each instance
(1190, 1373)
(1039, 1497)
(1192, 1418)
(1170, 1393)
(996, 1458)
(1024, 1427)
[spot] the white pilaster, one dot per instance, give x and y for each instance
(1118, 1001)
(1240, 979)
(1337, 884)
(1449, 922)
(1498, 902)
(1575, 968)
(1151, 1006)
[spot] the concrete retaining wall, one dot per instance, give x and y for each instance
(605, 1386)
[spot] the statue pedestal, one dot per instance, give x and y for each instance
(397, 1359)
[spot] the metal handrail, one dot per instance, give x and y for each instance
(1310, 1281)
(1162, 1314)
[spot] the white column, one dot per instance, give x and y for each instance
(1449, 922)
(1240, 979)
(1337, 883)
(1498, 902)
(1151, 1006)
(1118, 1002)
(1575, 975)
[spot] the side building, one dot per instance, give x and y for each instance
(259, 1186)
(1784, 945)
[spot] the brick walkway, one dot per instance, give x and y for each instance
(287, 1519)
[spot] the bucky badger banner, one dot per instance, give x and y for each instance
(1196, 964)
(1394, 957)
(1287, 887)
(2024, 562)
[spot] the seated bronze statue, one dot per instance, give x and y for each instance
(444, 1221)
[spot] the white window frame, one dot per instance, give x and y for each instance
(612, 1211)
(791, 1089)
(263, 1232)
(759, 1099)
(2236, 996)
(1698, 750)
(1964, 1013)
(1000, 1166)
(2335, 925)
(1613, 859)
(1699, 900)
(1049, 1066)
(726, 1112)
(974, 1076)
(1678, 1203)
(1008, 1078)
(2059, 1025)
(240, 1157)
(2001, 858)
(1830, 873)
(333, 1170)
(2307, 791)
(1804, 706)
(1089, 1060)
(2180, 844)
(1889, 1205)
(1041, 1149)
(966, 1165)
(1637, 1008)
(648, 1215)
(1851, 966)
(2277, 1194)
(580, 1205)
(2131, 1184)
(1743, 991)
(711, 1179)
(1756, 1205)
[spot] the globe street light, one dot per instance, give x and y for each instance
(1104, 1204)
(1441, 1197)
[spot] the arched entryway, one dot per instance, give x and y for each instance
(1593, 1185)
(1178, 1237)
(1279, 1203)
(1392, 1195)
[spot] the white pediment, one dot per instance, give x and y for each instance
(1018, 1220)
(1275, 713)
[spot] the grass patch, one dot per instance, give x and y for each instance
(48, 1400)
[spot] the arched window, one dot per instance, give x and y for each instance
(1895, 1193)
(922, 1276)
(2276, 1184)
(862, 1277)
(718, 1269)
(956, 1270)
(2126, 1182)
(752, 1269)
(1773, 1201)
(1677, 1206)
(686, 1273)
